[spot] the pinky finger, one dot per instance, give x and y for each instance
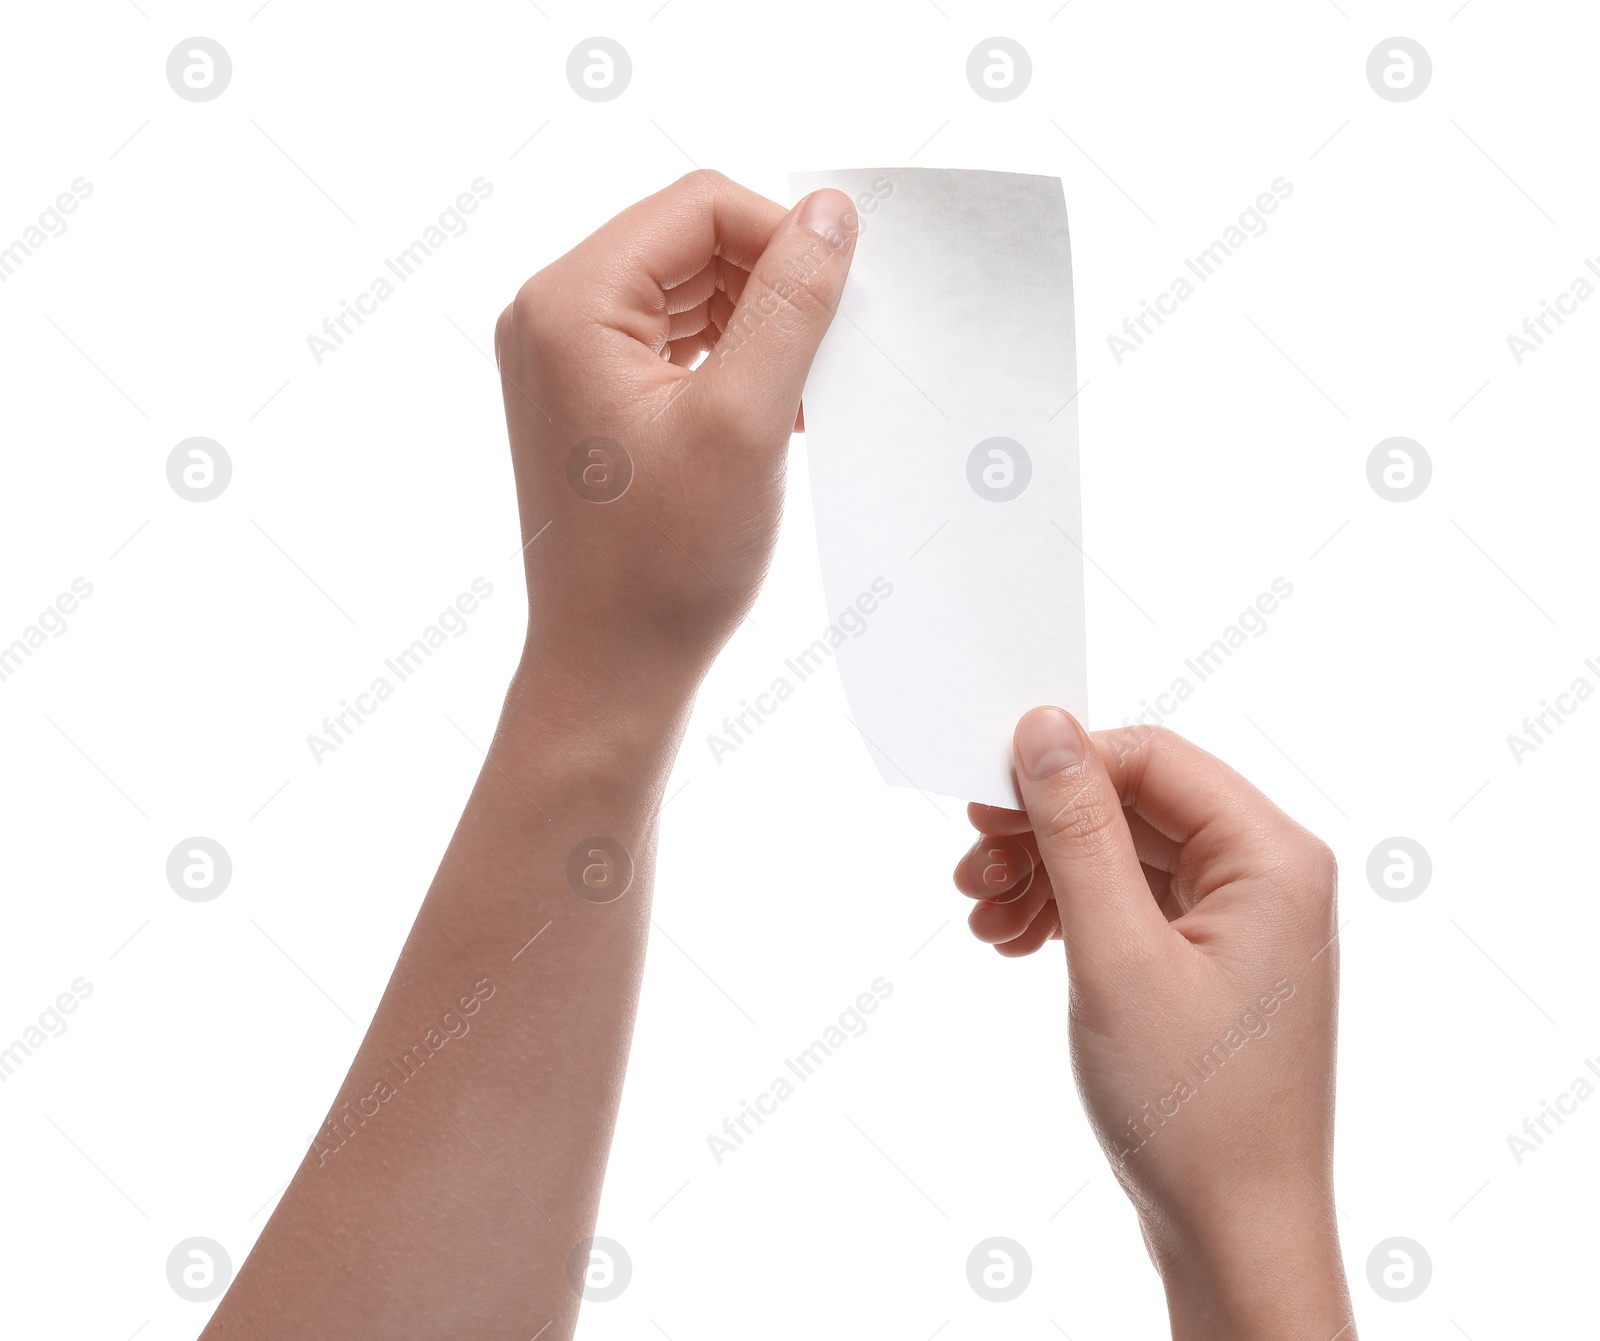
(1045, 926)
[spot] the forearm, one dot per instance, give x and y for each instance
(462, 1160)
(1276, 1275)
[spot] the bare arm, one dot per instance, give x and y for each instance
(455, 1183)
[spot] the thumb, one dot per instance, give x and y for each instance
(1107, 912)
(759, 364)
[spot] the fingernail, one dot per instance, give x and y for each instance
(1048, 741)
(831, 215)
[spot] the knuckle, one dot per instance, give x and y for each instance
(1132, 748)
(704, 180)
(1307, 869)
(502, 331)
(1081, 820)
(1156, 742)
(1159, 738)
(532, 311)
(1321, 867)
(1001, 864)
(795, 288)
(537, 329)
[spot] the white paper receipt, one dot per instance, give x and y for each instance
(942, 431)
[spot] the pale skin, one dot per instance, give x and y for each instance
(450, 1195)
(1194, 913)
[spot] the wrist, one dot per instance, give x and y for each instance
(572, 782)
(617, 724)
(1275, 1273)
(607, 662)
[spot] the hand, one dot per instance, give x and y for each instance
(661, 483)
(1200, 942)
(503, 1139)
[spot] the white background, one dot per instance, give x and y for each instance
(369, 491)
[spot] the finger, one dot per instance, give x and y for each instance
(722, 309)
(731, 278)
(1045, 926)
(1154, 847)
(1179, 788)
(1162, 892)
(666, 240)
(1107, 914)
(693, 291)
(674, 234)
(691, 321)
(1156, 851)
(996, 868)
(997, 922)
(994, 820)
(758, 367)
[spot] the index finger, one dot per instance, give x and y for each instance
(671, 236)
(1173, 784)
(1177, 787)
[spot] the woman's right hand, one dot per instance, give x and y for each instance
(1200, 933)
